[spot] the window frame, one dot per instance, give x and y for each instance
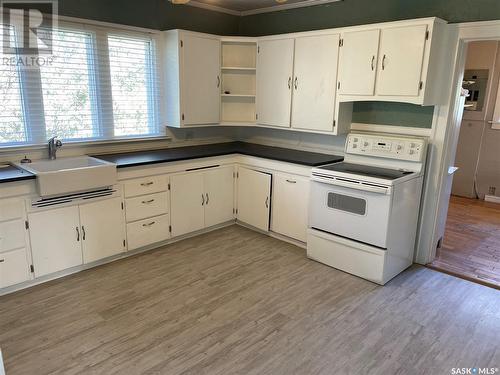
(101, 93)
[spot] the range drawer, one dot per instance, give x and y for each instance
(146, 206)
(147, 232)
(12, 235)
(145, 185)
(13, 268)
(11, 209)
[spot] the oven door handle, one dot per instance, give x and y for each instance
(353, 185)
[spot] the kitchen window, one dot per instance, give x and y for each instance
(100, 84)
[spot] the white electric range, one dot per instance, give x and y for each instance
(363, 212)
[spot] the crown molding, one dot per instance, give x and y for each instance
(274, 8)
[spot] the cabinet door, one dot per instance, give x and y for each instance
(55, 240)
(358, 62)
(13, 268)
(187, 203)
(200, 80)
(400, 69)
(290, 206)
(315, 81)
(103, 229)
(219, 194)
(274, 82)
(254, 198)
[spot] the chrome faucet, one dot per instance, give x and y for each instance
(54, 145)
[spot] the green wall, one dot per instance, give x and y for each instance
(154, 14)
(358, 12)
(398, 114)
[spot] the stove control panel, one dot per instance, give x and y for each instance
(386, 146)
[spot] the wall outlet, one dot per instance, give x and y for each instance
(492, 190)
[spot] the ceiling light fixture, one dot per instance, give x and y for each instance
(179, 1)
(281, 1)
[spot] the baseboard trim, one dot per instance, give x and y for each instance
(492, 198)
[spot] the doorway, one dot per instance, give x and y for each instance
(470, 246)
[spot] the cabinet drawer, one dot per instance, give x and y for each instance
(146, 206)
(11, 209)
(12, 235)
(13, 268)
(146, 185)
(147, 232)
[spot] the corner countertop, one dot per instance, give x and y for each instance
(10, 173)
(138, 158)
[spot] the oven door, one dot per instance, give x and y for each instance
(352, 210)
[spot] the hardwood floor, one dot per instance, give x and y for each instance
(237, 302)
(471, 244)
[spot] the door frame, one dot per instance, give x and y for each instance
(444, 139)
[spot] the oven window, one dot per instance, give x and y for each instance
(347, 203)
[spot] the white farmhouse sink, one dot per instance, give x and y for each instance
(71, 175)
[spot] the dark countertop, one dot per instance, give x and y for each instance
(10, 173)
(134, 159)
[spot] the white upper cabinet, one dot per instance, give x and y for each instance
(314, 82)
(192, 79)
(400, 60)
(274, 82)
(358, 62)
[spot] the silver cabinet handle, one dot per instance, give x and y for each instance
(77, 234)
(289, 82)
(147, 183)
(218, 81)
(295, 83)
(148, 202)
(202, 200)
(373, 62)
(149, 224)
(83, 233)
(267, 202)
(2, 260)
(383, 62)
(291, 181)
(207, 198)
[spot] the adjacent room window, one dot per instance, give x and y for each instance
(100, 84)
(68, 88)
(131, 66)
(12, 124)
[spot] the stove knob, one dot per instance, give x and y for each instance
(354, 146)
(400, 147)
(365, 144)
(412, 152)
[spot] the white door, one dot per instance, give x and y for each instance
(103, 229)
(55, 240)
(200, 80)
(254, 198)
(13, 268)
(187, 203)
(315, 82)
(290, 206)
(219, 196)
(400, 67)
(274, 82)
(358, 62)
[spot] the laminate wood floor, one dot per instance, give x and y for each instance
(234, 301)
(471, 244)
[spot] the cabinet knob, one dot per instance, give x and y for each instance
(291, 181)
(147, 183)
(373, 62)
(383, 62)
(2, 260)
(148, 202)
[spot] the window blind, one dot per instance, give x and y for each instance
(12, 125)
(99, 83)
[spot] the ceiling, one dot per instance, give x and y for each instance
(247, 7)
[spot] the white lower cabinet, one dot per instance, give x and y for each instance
(55, 240)
(254, 198)
(201, 199)
(290, 206)
(13, 268)
(67, 237)
(103, 229)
